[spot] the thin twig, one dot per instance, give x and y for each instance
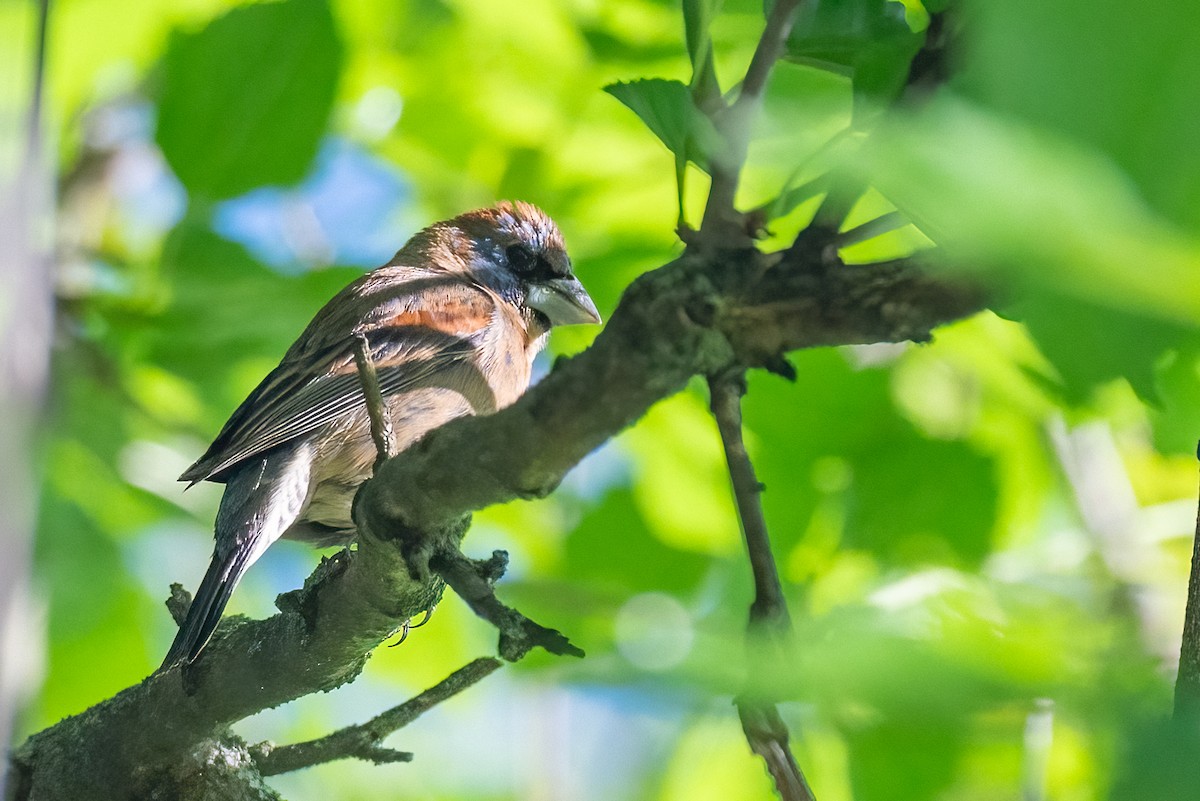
(472, 580)
(1187, 683)
(33, 124)
(735, 122)
(381, 422)
(931, 67)
(765, 730)
(789, 199)
(883, 224)
(927, 69)
(770, 47)
(362, 741)
(769, 603)
(843, 193)
(767, 735)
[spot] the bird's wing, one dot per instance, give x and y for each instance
(315, 384)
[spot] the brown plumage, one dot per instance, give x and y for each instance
(452, 324)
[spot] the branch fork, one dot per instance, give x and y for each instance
(473, 579)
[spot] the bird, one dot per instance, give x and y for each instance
(451, 323)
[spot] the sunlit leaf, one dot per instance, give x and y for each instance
(667, 109)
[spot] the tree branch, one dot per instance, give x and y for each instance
(769, 608)
(473, 580)
(735, 122)
(697, 316)
(362, 741)
(770, 623)
(1187, 682)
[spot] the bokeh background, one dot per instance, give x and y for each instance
(984, 539)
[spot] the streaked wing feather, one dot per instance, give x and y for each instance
(289, 402)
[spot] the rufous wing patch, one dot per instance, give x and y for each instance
(457, 317)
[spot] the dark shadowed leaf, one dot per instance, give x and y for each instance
(245, 100)
(1091, 345)
(613, 546)
(1177, 421)
(214, 322)
(868, 40)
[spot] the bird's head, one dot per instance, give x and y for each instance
(518, 251)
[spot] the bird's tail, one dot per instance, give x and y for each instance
(217, 586)
(263, 498)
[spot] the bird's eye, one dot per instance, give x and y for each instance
(520, 259)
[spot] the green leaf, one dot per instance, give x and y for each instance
(904, 757)
(245, 100)
(1091, 345)
(1030, 208)
(868, 40)
(214, 323)
(1157, 761)
(1177, 420)
(904, 497)
(667, 109)
(919, 501)
(697, 19)
(1107, 73)
(639, 562)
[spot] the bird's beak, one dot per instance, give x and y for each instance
(564, 301)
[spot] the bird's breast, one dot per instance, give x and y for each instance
(345, 453)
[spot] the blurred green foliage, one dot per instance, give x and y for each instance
(268, 136)
(984, 538)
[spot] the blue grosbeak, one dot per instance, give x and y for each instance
(452, 324)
